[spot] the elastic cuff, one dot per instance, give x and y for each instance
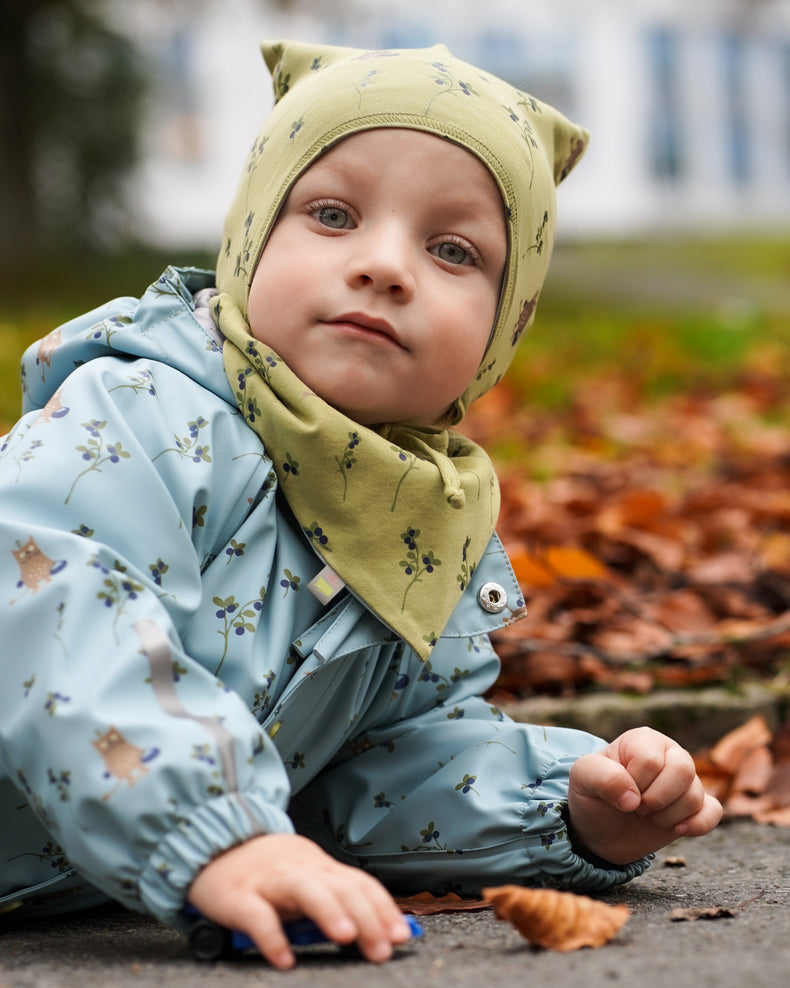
(554, 856)
(215, 827)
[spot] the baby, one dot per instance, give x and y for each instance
(250, 570)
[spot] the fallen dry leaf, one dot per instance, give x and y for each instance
(691, 915)
(734, 746)
(557, 920)
(425, 904)
(748, 770)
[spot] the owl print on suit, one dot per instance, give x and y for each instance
(123, 761)
(36, 569)
(46, 348)
(54, 409)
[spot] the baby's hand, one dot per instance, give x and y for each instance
(254, 886)
(637, 795)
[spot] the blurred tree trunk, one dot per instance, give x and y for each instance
(17, 196)
(71, 90)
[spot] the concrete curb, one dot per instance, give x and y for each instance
(694, 718)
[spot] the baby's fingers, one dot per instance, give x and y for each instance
(703, 821)
(598, 777)
(262, 925)
(674, 785)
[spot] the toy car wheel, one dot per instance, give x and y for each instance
(207, 941)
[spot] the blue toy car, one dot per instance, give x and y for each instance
(208, 941)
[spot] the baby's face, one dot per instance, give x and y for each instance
(380, 281)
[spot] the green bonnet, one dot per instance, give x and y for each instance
(401, 515)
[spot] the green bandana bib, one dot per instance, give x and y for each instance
(401, 514)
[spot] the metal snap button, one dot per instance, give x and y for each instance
(492, 598)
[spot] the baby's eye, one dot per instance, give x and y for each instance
(452, 253)
(333, 217)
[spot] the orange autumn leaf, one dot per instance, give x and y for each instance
(555, 562)
(729, 752)
(557, 920)
(426, 904)
(574, 563)
(634, 509)
(528, 570)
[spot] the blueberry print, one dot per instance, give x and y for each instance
(165, 286)
(202, 753)
(446, 84)
(188, 447)
(418, 563)
(347, 460)
(158, 570)
(139, 383)
(236, 618)
(467, 784)
(61, 781)
(467, 568)
(109, 327)
(366, 81)
(234, 549)
(119, 589)
(289, 582)
(51, 852)
(53, 699)
(244, 257)
(317, 535)
(291, 466)
(26, 456)
(411, 462)
(262, 698)
(431, 638)
(96, 453)
(429, 675)
(429, 840)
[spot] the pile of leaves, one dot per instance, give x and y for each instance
(651, 540)
(748, 770)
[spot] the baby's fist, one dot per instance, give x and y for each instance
(637, 795)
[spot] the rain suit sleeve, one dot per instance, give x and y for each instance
(138, 760)
(450, 794)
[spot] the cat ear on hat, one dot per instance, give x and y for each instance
(290, 61)
(570, 143)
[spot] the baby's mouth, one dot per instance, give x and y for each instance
(366, 325)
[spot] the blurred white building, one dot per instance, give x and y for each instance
(688, 102)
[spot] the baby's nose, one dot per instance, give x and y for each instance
(386, 264)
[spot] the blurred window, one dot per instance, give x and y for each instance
(737, 150)
(665, 138)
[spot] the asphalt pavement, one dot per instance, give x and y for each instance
(742, 868)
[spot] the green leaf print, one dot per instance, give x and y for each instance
(188, 446)
(348, 459)
(418, 562)
(96, 452)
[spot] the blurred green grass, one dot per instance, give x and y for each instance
(665, 315)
